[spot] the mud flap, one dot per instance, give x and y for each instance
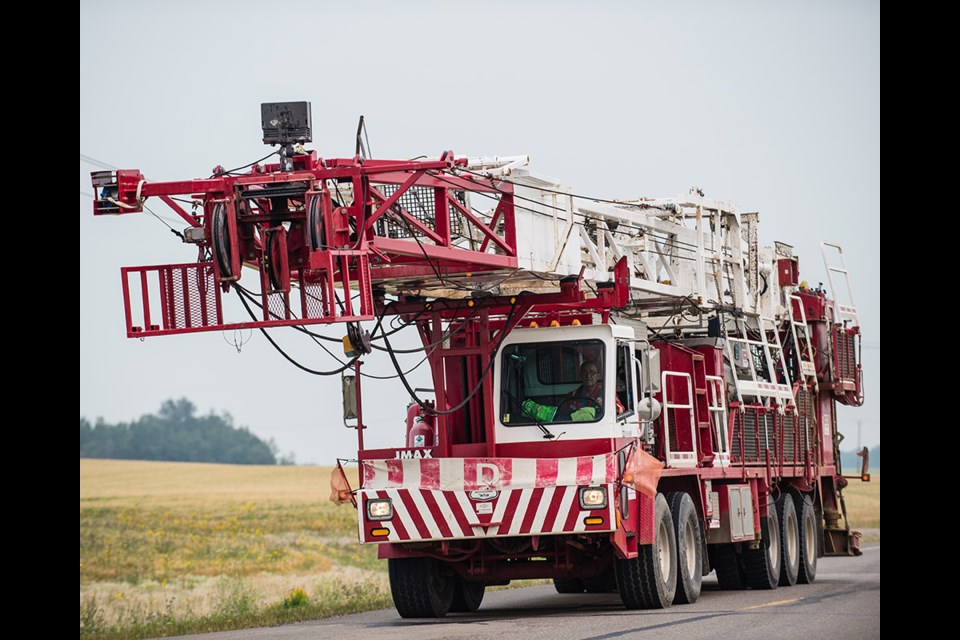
(639, 531)
(647, 510)
(624, 545)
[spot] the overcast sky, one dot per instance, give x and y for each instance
(774, 106)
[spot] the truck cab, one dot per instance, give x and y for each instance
(566, 383)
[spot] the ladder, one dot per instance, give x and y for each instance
(741, 349)
(844, 312)
(677, 459)
(717, 407)
(808, 369)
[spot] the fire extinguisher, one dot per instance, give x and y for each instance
(419, 425)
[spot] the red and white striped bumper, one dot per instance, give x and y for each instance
(463, 498)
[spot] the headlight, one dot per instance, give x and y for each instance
(379, 509)
(593, 498)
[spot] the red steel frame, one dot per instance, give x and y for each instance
(351, 265)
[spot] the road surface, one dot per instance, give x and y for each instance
(844, 604)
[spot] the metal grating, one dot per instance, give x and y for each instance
(189, 296)
(419, 203)
(313, 305)
(277, 304)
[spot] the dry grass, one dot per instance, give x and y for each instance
(169, 548)
(863, 503)
(125, 483)
(174, 547)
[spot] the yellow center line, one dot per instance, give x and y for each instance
(772, 604)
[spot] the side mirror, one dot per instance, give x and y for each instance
(650, 371)
(348, 387)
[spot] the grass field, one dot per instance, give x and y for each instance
(169, 548)
(863, 503)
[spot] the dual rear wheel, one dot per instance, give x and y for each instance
(786, 555)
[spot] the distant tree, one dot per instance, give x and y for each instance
(175, 433)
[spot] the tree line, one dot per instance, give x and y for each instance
(177, 433)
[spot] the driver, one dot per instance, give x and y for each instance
(584, 402)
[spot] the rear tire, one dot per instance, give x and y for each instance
(568, 585)
(809, 537)
(761, 566)
(686, 525)
(467, 596)
(649, 581)
(789, 539)
(419, 588)
(726, 562)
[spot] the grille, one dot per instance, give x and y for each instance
(846, 354)
(791, 424)
(756, 427)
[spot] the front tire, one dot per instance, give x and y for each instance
(686, 525)
(419, 587)
(649, 581)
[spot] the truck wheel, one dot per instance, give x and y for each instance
(467, 596)
(649, 581)
(726, 561)
(568, 585)
(686, 524)
(809, 534)
(789, 540)
(419, 588)
(761, 566)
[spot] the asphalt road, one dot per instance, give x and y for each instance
(843, 604)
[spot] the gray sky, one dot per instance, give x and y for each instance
(774, 106)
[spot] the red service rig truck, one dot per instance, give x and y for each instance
(627, 394)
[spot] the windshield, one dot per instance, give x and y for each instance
(552, 382)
